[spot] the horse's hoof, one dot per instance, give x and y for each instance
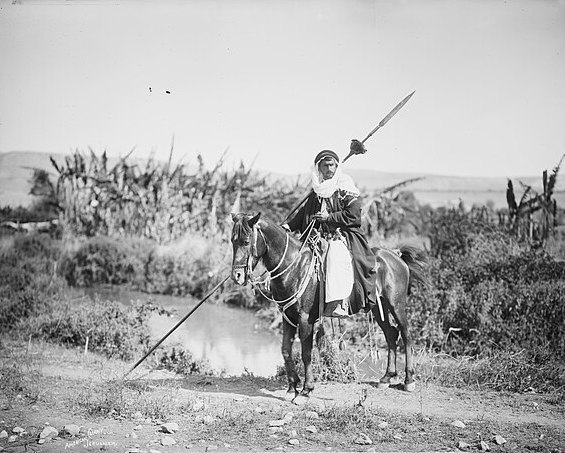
(383, 385)
(410, 387)
(300, 399)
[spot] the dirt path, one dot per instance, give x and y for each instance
(250, 414)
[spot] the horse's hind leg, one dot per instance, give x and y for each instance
(398, 311)
(401, 319)
(289, 332)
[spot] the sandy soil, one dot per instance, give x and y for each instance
(236, 414)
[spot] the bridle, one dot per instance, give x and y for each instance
(257, 283)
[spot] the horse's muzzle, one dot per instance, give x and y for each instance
(238, 275)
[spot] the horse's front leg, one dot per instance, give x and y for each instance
(391, 336)
(306, 332)
(289, 332)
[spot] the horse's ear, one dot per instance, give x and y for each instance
(234, 217)
(253, 220)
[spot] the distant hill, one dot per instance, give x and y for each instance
(16, 169)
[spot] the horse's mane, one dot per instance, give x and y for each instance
(271, 223)
(241, 228)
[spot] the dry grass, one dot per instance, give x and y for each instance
(521, 371)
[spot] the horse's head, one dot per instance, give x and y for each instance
(244, 240)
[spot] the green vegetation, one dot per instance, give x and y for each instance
(36, 302)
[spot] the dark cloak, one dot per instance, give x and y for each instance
(344, 211)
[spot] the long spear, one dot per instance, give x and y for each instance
(385, 120)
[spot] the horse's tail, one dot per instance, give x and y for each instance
(416, 260)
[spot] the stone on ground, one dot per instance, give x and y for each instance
(457, 424)
(170, 428)
(47, 433)
(499, 440)
(71, 430)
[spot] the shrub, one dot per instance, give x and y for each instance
(180, 361)
(105, 260)
(27, 279)
(191, 266)
(497, 294)
(112, 329)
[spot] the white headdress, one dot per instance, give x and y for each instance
(340, 180)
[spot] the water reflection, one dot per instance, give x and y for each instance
(228, 338)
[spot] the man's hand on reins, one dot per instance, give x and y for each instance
(321, 216)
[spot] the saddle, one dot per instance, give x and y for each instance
(330, 306)
(335, 278)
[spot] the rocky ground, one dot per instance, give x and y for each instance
(67, 401)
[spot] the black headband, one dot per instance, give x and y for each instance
(324, 154)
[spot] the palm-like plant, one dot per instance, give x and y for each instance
(521, 213)
(158, 200)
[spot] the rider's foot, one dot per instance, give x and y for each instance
(339, 312)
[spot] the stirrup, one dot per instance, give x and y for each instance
(338, 312)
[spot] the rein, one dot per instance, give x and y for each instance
(289, 301)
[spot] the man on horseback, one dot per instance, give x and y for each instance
(335, 208)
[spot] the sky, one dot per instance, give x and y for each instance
(273, 82)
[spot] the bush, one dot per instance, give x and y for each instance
(105, 260)
(497, 315)
(111, 329)
(496, 294)
(28, 282)
(35, 301)
(191, 266)
(180, 361)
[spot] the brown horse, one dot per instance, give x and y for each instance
(295, 288)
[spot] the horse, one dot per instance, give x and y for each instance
(291, 266)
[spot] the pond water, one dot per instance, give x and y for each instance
(231, 339)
